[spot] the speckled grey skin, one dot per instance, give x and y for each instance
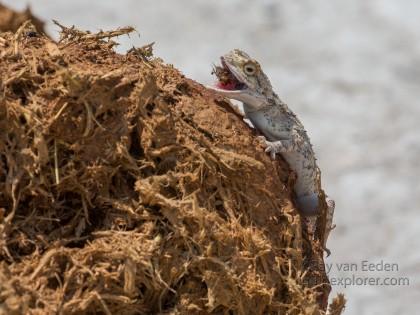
(284, 133)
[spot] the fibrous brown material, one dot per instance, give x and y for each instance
(11, 20)
(126, 188)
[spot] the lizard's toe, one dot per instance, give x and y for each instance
(271, 150)
(330, 203)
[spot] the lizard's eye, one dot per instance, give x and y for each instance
(250, 68)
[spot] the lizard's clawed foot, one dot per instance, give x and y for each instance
(268, 146)
(330, 203)
(274, 147)
(329, 222)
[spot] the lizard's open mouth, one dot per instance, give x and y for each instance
(226, 78)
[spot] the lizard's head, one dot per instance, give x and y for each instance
(240, 77)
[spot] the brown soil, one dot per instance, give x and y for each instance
(126, 188)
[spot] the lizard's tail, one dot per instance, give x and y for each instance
(308, 205)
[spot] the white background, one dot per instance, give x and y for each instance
(349, 69)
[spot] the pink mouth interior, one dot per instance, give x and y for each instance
(226, 79)
(226, 86)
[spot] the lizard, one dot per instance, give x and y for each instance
(241, 78)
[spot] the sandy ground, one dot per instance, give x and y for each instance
(350, 70)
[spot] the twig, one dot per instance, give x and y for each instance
(57, 174)
(89, 116)
(71, 33)
(60, 112)
(44, 260)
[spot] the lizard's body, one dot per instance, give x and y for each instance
(278, 123)
(241, 78)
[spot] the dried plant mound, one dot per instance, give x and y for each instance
(126, 188)
(10, 20)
